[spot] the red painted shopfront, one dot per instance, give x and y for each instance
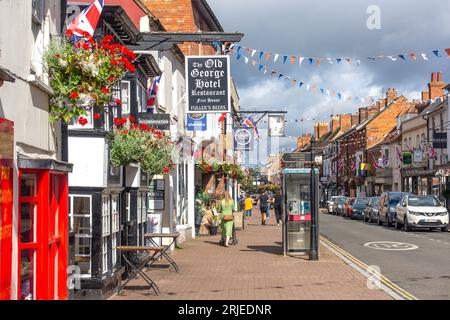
(6, 206)
(42, 224)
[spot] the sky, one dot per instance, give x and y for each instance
(330, 28)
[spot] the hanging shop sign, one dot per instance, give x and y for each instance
(196, 122)
(208, 84)
(156, 194)
(243, 139)
(418, 156)
(276, 125)
(440, 140)
(156, 121)
(6, 205)
(407, 158)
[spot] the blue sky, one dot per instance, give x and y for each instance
(330, 28)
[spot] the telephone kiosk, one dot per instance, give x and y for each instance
(300, 195)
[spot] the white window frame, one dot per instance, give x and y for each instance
(126, 105)
(79, 235)
(89, 125)
(106, 216)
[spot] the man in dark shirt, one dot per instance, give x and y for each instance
(278, 203)
(264, 207)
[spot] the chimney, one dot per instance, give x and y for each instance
(346, 122)
(363, 114)
(374, 109)
(335, 123)
(391, 95)
(355, 119)
(436, 86)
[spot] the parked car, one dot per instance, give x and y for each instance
(421, 212)
(330, 204)
(338, 207)
(348, 207)
(388, 206)
(358, 207)
(371, 211)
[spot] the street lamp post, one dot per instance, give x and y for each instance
(314, 252)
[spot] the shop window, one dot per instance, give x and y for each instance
(125, 89)
(80, 213)
(141, 94)
(115, 226)
(106, 230)
(27, 274)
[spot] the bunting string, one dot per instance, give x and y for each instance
(300, 60)
(300, 84)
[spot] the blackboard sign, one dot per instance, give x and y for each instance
(156, 121)
(208, 84)
(439, 140)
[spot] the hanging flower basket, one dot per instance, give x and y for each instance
(82, 74)
(133, 143)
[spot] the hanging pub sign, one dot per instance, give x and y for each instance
(407, 158)
(196, 122)
(418, 156)
(440, 140)
(243, 139)
(6, 205)
(208, 84)
(159, 121)
(276, 125)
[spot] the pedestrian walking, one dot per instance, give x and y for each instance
(226, 210)
(264, 207)
(248, 206)
(277, 204)
(241, 202)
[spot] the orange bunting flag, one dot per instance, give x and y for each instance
(448, 52)
(318, 62)
(294, 82)
(413, 56)
(254, 62)
(293, 59)
(349, 60)
(268, 55)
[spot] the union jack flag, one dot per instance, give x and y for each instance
(432, 154)
(152, 92)
(87, 20)
(248, 123)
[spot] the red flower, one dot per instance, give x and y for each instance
(166, 170)
(83, 121)
(131, 68)
(86, 34)
(117, 122)
(111, 79)
(73, 95)
(114, 62)
(85, 46)
(132, 119)
(105, 90)
(107, 39)
(118, 102)
(97, 116)
(69, 33)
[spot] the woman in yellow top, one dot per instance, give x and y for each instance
(226, 209)
(248, 206)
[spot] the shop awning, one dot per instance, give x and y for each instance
(44, 164)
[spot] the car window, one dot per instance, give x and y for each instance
(423, 201)
(362, 202)
(394, 199)
(375, 202)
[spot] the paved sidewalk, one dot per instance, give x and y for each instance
(255, 269)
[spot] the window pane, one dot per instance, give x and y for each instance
(28, 185)
(27, 222)
(27, 274)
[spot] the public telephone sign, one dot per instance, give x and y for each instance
(6, 205)
(208, 84)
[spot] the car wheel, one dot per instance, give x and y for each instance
(379, 222)
(388, 222)
(397, 224)
(444, 229)
(406, 227)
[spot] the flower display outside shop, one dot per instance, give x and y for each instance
(82, 75)
(139, 143)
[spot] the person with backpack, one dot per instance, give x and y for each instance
(264, 207)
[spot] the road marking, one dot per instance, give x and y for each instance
(386, 285)
(391, 246)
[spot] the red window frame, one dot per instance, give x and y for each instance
(51, 241)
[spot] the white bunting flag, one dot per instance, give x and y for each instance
(246, 60)
(424, 56)
(307, 87)
(392, 58)
(301, 60)
(276, 57)
(253, 53)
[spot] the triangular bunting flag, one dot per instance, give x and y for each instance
(447, 51)
(253, 53)
(413, 56)
(424, 56)
(401, 56)
(276, 57)
(293, 59)
(300, 61)
(284, 59)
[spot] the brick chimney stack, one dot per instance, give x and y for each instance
(391, 95)
(363, 114)
(346, 122)
(335, 123)
(321, 129)
(435, 87)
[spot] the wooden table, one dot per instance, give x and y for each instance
(163, 253)
(137, 269)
